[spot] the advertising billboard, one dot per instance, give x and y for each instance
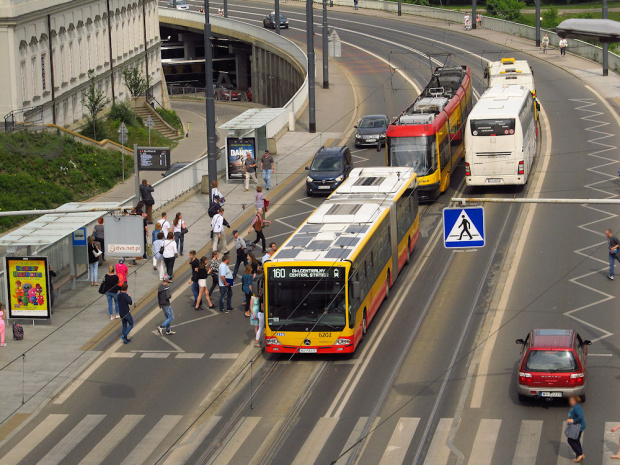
(153, 158)
(27, 281)
(237, 150)
(124, 237)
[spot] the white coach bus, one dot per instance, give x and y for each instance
(501, 137)
(509, 71)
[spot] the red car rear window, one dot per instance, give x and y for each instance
(554, 361)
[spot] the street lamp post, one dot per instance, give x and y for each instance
(400, 8)
(277, 13)
(210, 101)
(325, 51)
(310, 50)
(225, 8)
(538, 23)
(605, 45)
(473, 14)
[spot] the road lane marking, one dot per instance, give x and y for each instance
(122, 355)
(111, 440)
(191, 355)
(489, 345)
(484, 442)
(610, 443)
(313, 445)
(155, 355)
(438, 452)
(566, 454)
(400, 441)
(242, 432)
(231, 356)
(32, 440)
(152, 440)
(527, 442)
(184, 449)
(72, 439)
(355, 435)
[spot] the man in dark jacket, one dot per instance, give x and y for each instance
(146, 192)
(124, 301)
(163, 297)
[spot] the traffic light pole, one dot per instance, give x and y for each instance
(605, 46)
(473, 13)
(325, 51)
(210, 101)
(311, 67)
(537, 23)
(277, 13)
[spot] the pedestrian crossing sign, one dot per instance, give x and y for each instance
(463, 228)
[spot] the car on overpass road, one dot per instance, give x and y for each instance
(180, 5)
(552, 364)
(269, 21)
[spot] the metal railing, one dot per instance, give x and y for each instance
(23, 117)
(219, 93)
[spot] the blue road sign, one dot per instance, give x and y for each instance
(463, 228)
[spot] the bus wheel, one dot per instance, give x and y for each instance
(387, 287)
(364, 324)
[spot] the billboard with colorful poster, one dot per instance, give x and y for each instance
(27, 281)
(237, 150)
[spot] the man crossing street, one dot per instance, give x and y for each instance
(163, 297)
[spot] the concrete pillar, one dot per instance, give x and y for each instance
(189, 47)
(241, 67)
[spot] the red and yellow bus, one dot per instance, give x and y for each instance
(428, 135)
(326, 283)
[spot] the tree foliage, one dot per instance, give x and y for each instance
(136, 82)
(510, 10)
(95, 101)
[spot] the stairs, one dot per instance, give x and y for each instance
(145, 110)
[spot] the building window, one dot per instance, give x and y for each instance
(22, 69)
(71, 60)
(43, 82)
(97, 48)
(62, 64)
(88, 52)
(33, 75)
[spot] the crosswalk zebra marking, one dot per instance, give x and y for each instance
(68, 443)
(399, 442)
(566, 454)
(527, 443)
(311, 449)
(190, 355)
(245, 428)
(353, 438)
(122, 354)
(155, 355)
(182, 451)
(438, 452)
(153, 438)
(111, 440)
(38, 434)
(610, 443)
(484, 442)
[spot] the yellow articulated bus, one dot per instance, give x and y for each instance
(325, 284)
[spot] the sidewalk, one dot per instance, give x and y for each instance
(57, 350)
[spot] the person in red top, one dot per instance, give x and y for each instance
(121, 271)
(258, 223)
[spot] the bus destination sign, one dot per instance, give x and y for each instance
(306, 273)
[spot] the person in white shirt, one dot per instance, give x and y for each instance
(158, 257)
(179, 238)
(217, 226)
(215, 192)
(563, 46)
(225, 282)
(545, 43)
(170, 253)
(165, 225)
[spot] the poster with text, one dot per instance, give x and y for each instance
(28, 287)
(237, 153)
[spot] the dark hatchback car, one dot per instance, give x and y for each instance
(371, 130)
(270, 21)
(175, 167)
(330, 166)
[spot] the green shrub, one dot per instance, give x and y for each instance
(510, 10)
(550, 18)
(122, 112)
(171, 117)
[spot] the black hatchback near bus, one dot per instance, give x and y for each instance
(330, 166)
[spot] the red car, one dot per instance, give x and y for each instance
(228, 92)
(552, 364)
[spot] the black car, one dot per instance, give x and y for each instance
(270, 21)
(371, 130)
(175, 167)
(330, 166)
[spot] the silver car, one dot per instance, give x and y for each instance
(181, 5)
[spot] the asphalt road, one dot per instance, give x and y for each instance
(413, 388)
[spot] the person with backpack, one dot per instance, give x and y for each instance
(214, 207)
(163, 298)
(158, 255)
(93, 261)
(217, 227)
(258, 223)
(146, 192)
(170, 254)
(2, 326)
(110, 289)
(242, 254)
(165, 225)
(124, 303)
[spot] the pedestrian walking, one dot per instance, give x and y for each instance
(110, 286)
(216, 193)
(165, 225)
(270, 251)
(563, 47)
(258, 224)
(259, 199)
(93, 261)
(145, 228)
(146, 193)
(617, 456)
(225, 283)
(254, 263)
(179, 232)
(614, 253)
(121, 271)
(2, 326)
(194, 263)
(201, 275)
(98, 233)
(52, 274)
(214, 269)
(268, 167)
(545, 43)
(576, 425)
(158, 255)
(246, 287)
(164, 294)
(355, 4)
(249, 169)
(214, 207)
(467, 22)
(124, 302)
(219, 234)
(242, 254)
(258, 310)
(170, 253)
(154, 234)
(479, 21)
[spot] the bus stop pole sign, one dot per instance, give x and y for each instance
(463, 228)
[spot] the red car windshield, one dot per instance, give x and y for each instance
(553, 361)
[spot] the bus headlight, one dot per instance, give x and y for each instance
(272, 341)
(309, 179)
(342, 342)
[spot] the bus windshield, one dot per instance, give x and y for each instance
(306, 299)
(493, 127)
(414, 152)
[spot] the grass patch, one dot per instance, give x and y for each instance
(44, 170)
(171, 117)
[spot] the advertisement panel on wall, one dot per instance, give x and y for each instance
(27, 281)
(237, 150)
(124, 236)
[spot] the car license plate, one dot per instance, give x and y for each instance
(494, 180)
(371, 140)
(550, 394)
(307, 351)
(324, 187)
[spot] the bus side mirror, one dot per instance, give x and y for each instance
(537, 106)
(587, 342)
(520, 341)
(355, 290)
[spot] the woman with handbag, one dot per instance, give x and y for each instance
(170, 254)
(202, 275)
(575, 425)
(98, 232)
(179, 231)
(110, 289)
(93, 260)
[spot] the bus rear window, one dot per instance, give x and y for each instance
(493, 127)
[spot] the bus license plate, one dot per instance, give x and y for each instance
(494, 180)
(307, 351)
(550, 394)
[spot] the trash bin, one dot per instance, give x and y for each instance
(204, 185)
